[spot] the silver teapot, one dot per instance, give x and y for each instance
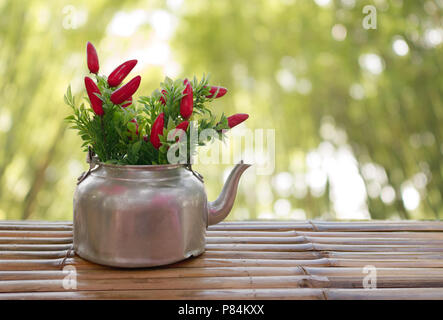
(146, 215)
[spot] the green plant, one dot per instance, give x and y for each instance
(121, 132)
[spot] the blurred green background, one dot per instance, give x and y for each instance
(357, 112)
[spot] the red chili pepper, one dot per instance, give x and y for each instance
(116, 77)
(163, 97)
(221, 92)
(127, 104)
(182, 126)
(187, 103)
(145, 137)
(92, 58)
(123, 93)
(96, 102)
(157, 129)
(237, 119)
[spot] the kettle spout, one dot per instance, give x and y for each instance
(220, 208)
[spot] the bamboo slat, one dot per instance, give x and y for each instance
(34, 247)
(34, 222)
(31, 240)
(250, 282)
(368, 234)
(386, 294)
(35, 233)
(243, 260)
(227, 294)
(155, 273)
(32, 227)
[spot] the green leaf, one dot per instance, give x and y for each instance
(168, 81)
(136, 147)
(171, 124)
(131, 126)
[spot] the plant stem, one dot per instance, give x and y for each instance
(104, 138)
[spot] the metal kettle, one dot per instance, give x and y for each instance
(146, 215)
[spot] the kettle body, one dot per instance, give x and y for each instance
(145, 215)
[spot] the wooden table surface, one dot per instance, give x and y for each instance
(243, 260)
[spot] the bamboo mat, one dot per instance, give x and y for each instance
(243, 260)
